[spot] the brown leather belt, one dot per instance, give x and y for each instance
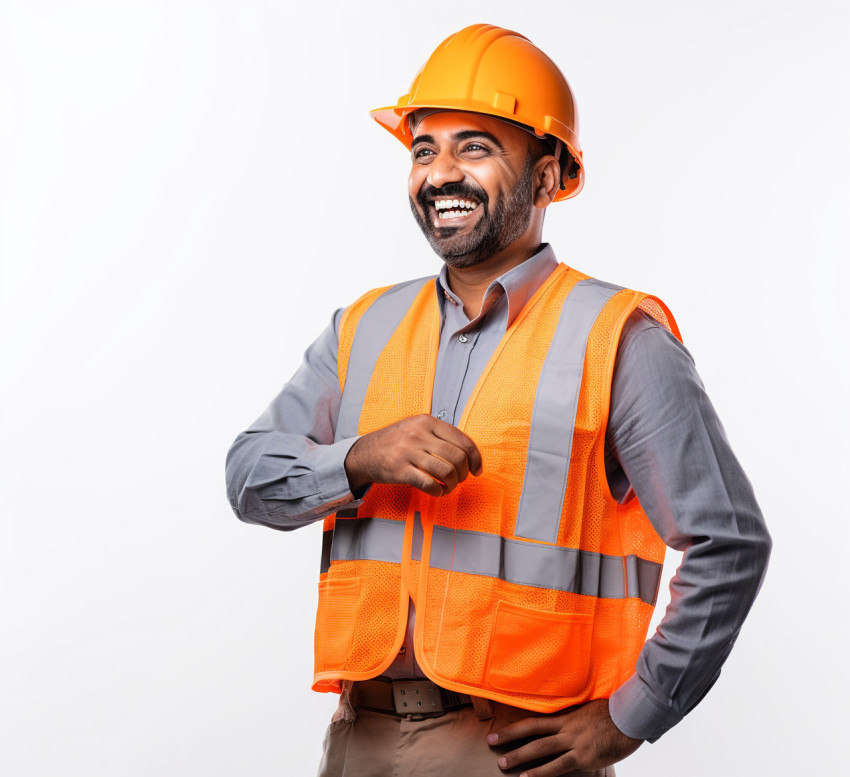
(411, 699)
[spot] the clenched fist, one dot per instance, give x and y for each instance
(420, 451)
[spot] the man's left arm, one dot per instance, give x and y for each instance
(666, 444)
(673, 450)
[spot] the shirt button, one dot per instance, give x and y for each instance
(462, 338)
(441, 415)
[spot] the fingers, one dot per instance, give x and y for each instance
(534, 750)
(527, 727)
(440, 470)
(547, 739)
(457, 438)
(557, 768)
(423, 481)
(453, 456)
(445, 462)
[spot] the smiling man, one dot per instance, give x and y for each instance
(500, 454)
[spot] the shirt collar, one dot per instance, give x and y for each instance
(518, 284)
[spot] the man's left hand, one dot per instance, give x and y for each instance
(584, 738)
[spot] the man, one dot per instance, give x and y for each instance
(500, 455)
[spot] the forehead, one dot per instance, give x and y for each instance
(445, 125)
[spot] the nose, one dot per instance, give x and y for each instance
(444, 169)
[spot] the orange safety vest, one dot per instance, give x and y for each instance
(532, 585)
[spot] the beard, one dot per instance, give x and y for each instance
(496, 229)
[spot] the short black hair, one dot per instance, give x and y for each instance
(545, 146)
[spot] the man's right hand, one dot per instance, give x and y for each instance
(420, 451)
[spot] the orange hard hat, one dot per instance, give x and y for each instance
(490, 70)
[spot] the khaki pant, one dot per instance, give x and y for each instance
(363, 743)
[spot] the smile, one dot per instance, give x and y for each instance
(450, 209)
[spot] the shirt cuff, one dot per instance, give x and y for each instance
(331, 484)
(329, 468)
(637, 713)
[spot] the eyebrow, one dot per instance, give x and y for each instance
(467, 134)
(422, 139)
(460, 136)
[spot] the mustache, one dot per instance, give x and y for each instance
(457, 189)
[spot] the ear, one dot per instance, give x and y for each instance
(547, 179)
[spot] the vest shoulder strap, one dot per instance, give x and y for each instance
(364, 330)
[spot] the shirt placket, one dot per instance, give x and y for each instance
(457, 353)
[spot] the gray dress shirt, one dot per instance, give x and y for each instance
(664, 444)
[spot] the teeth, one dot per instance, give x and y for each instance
(451, 204)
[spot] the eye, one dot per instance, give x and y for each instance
(475, 149)
(422, 154)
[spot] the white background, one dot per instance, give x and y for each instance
(189, 189)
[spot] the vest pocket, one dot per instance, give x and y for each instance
(535, 652)
(338, 600)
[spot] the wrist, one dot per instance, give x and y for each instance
(357, 479)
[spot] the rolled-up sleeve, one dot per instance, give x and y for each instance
(666, 442)
(285, 470)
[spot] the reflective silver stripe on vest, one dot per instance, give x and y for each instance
(418, 537)
(327, 539)
(516, 561)
(545, 566)
(372, 539)
(374, 330)
(547, 465)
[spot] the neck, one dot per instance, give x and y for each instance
(470, 283)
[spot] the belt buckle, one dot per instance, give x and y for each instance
(417, 699)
